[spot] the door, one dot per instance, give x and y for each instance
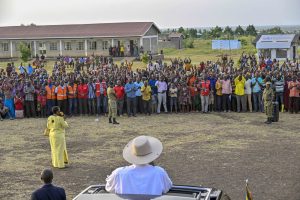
(131, 47)
(42, 48)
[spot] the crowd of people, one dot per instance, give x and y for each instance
(80, 87)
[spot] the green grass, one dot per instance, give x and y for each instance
(202, 51)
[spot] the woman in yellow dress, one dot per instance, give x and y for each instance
(56, 125)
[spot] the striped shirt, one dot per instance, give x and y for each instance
(279, 86)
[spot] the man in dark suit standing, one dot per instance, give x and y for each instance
(48, 191)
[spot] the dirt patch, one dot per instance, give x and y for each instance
(218, 150)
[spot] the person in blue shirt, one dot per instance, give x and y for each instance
(139, 101)
(30, 69)
(213, 80)
(130, 90)
(257, 84)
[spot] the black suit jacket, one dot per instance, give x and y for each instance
(49, 192)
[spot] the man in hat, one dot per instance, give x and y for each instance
(112, 103)
(140, 178)
(268, 96)
(48, 191)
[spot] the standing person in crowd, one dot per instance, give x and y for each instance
(91, 97)
(239, 83)
(19, 105)
(212, 95)
(268, 96)
(51, 95)
(219, 95)
(9, 97)
(56, 126)
(72, 97)
(130, 89)
(248, 92)
(152, 82)
(140, 178)
(226, 92)
(173, 97)
(112, 104)
(162, 97)
(42, 101)
(103, 95)
(138, 94)
(279, 90)
(146, 95)
(48, 191)
(294, 87)
(205, 91)
(61, 93)
(120, 93)
(257, 84)
(29, 91)
(82, 97)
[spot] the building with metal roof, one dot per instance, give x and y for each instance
(278, 46)
(79, 39)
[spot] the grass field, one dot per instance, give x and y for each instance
(218, 150)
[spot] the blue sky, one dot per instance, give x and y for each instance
(165, 13)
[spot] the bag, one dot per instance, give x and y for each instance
(46, 132)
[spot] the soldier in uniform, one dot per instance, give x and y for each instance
(268, 96)
(112, 103)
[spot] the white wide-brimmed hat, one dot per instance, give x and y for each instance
(142, 150)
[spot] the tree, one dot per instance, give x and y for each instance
(250, 30)
(188, 43)
(239, 31)
(193, 33)
(274, 30)
(25, 52)
(181, 30)
(216, 32)
(228, 31)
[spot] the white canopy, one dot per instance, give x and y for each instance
(275, 41)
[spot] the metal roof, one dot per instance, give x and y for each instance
(276, 41)
(123, 29)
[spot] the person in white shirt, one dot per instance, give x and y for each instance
(248, 92)
(140, 180)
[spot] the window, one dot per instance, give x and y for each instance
(93, 45)
(5, 47)
(68, 46)
(80, 46)
(53, 46)
(105, 44)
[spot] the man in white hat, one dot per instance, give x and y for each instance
(140, 178)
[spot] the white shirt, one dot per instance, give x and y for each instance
(139, 179)
(248, 86)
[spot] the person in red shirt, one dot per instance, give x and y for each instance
(19, 105)
(205, 91)
(41, 100)
(101, 96)
(120, 93)
(82, 96)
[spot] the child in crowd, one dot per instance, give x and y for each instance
(19, 105)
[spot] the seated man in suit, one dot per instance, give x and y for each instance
(48, 191)
(141, 180)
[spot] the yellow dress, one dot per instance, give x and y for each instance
(59, 155)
